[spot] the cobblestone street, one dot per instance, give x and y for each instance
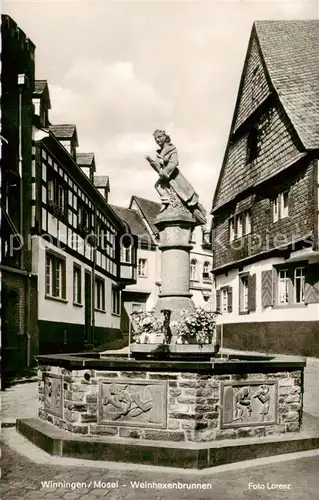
(22, 479)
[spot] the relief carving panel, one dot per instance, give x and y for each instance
(248, 403)
(128, 402)
(53, 394)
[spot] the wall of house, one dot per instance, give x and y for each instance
(265, 234)
(286, 329)
(61, 323)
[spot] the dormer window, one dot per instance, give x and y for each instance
(41, 102)
(252, 144)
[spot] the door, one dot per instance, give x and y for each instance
(87, 306)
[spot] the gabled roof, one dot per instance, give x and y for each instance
(291, 54)
(132, 218)
(102, 181)
(85, 159)
(150, 210)
(41, 89)
(64, 132)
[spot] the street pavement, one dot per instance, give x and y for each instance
(25, 467)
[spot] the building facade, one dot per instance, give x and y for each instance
(18, 284)
(62, 278)
(265, 208)
(143, 295)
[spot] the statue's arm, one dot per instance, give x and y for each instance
(171, 165)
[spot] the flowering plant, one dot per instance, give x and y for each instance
(197, 327)
(146, 324)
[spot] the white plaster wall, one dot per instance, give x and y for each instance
(54, 310)
(307, 313)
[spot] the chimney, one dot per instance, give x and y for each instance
(102, 184)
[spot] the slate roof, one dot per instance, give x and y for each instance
(39, 86)
(101, 181)
(150, 210)
(132, 218)
(84, 159)
(65, 131)
(291, 53)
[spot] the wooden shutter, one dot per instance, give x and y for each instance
(252, 292)
(230, 298)
(266, 288)
(218, 300)
(312, 285)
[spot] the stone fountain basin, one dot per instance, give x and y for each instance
(180, 413)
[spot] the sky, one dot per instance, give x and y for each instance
(119, 70)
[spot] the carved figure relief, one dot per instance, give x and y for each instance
(53, 394)
(244, 404)
(122, 402)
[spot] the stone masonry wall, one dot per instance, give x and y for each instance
(193, 404)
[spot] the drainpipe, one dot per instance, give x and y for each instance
(93, 277)
(22, 82)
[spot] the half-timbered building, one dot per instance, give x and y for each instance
(265, 208)
(61, 270)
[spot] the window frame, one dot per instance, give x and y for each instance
(291, 285)
(77, 293)
(116, 301)
(193, 270)
(145, 274)
(55, 281)
(242, 297)
(99, 294)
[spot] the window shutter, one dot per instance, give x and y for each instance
(312, 285)
(266, 288)
(230, 298)
(217, 300)
(252, 292)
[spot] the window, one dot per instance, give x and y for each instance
(77, 285)
(126, 255)
(283, 286)
(55, 278)
(284, 205)
(126, 247)
(252, 144)
(299, 285)
(206, 271)
(280, 208)
(115, 300)
(290, 286)
(243, 293)
(240, 225)
(224, 300)
(142, 268)
(232, 234)
(193, 273)
(275, 210)
(57, 193)
(247, 223)
(99, 294)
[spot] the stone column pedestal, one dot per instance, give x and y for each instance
(175, 236)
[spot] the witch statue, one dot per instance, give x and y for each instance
(170, 178)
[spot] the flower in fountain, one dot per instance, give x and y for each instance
(147, 326)
(196, 327)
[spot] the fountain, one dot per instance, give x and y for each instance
(165, 406)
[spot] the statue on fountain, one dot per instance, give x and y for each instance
(172, 185)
